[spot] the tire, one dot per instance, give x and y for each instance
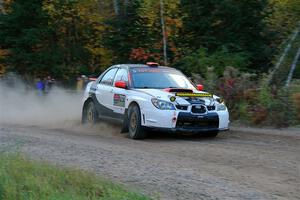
(212, 134)
(89, 114)
(136, 130)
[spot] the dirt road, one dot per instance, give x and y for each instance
(235, 165)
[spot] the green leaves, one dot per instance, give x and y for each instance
(23, 33)
(237, 25)
(67, 37)
(57, 37)
(201, 60)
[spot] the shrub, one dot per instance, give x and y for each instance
(258, 114)
(235, 88)
(296, 102)
(251, 99)
(242, 113)
(199, 61)
(280, 109)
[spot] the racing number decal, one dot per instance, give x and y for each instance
(119, 100)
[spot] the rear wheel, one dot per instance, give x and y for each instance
(136, 130)
(89, 115)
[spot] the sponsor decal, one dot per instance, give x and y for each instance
(194, 95)
(172, 98)
(119, 100)
(149, 70)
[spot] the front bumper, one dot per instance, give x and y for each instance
(186, 121)
(186, 130)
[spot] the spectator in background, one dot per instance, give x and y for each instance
(79, 84)
(48, 84)
(40, 86)
(85, 81)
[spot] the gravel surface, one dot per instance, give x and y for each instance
(235, 165)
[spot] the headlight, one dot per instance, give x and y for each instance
(221, 107)
(162, 105)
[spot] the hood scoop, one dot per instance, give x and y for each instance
(175, 90)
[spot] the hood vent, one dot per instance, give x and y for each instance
(175, 90)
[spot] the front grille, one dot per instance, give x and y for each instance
(181, 107)
(200, 109)
(188, 120)
(195, 100)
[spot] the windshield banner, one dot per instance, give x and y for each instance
(193, 94)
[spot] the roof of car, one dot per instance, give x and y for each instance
(129, 66)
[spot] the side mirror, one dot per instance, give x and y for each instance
(121, 84)
(200, 87)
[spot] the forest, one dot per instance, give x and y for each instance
(242, 50)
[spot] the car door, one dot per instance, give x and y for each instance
(119, 94)
(104, 93)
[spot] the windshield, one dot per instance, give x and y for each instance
(159, 78)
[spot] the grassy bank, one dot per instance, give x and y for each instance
(22, 179)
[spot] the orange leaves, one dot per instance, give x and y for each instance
(3, 53)
(140, 54)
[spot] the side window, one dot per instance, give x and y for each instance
(122, 75)
(108, 78)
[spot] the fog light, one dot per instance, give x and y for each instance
(172, 98)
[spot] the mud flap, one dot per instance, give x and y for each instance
(125, 122)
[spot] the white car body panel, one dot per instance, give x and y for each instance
(163, 118)
(151, 116)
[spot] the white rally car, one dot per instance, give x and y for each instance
(145, 97)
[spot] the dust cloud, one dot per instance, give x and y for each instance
(20, 105)
(59, 109)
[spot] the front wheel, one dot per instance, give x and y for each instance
(136, 130)
(89, 114)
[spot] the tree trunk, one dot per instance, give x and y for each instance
(125, 7)
(116, 7)
(285, 52)
(163, 32)
(293, 67)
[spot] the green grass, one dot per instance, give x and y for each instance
(23, 179)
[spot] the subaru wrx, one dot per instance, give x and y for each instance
(145, 97)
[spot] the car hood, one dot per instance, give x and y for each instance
(165, 95)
